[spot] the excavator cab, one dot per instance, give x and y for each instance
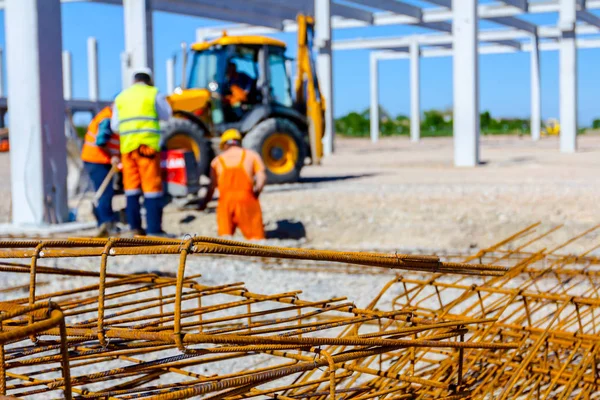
(243, 82)
(240, 75)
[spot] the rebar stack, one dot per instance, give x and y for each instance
(512, 321)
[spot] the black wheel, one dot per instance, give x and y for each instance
(281, 146)
(179, 133)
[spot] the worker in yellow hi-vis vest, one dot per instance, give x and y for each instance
(136, 115)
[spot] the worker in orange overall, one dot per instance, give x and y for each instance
(136, 115)
(239, 174)
(100, 152)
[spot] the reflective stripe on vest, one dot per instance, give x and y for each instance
(113, 145)
(138, 119)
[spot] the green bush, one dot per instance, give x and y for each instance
(435, 123)
(81, 130)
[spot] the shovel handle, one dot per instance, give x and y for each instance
(105, 184)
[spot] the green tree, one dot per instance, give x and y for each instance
(353, 124)
(433, 118)
(485, 120)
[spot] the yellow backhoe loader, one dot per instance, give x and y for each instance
(551, 128)
(286, 131)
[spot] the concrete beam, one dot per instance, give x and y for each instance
(139, 44)
(415, 97)
(520, 4)
(536, 99)
(374, 96)
(589, 18)
(38, 155)
(493, 36)
(396, 7)
(259, 8)
(510, 43)
(446, 50)
(345, 11)
(568, 77)
(216, 12)
(306, 7)
(441, 3)
(437, 26)
(92, 64)
(466, 83)
(325, 68)
(515, 22)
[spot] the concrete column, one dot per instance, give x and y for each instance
(415, 98)
(466, 83)
(125, 75)
(92, 64)
(536, 99)
(67, 67)
(170, 75)
(1, 72)
(324, 68)
(374, 103)
(37, 107)
(139, 44)
(568, 77)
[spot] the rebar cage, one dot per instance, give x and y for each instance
(514, 320)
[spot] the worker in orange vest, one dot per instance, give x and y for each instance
(239, 174)
(100, 151)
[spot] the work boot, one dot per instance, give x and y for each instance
(108, 229)
(134, 212)
(154, 206)
(102, 230)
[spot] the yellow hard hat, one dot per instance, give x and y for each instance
(228, 135)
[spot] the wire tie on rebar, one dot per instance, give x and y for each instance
(317, 352)
(49, 305)
(107, 341)
(184, 239)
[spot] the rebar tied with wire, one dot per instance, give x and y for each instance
(503, 323)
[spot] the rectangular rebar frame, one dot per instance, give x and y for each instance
(511, 321)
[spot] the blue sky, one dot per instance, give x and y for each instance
(504, 78)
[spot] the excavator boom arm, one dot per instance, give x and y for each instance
(307, 87)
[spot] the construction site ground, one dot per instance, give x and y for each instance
(391, 196)
(406, 196)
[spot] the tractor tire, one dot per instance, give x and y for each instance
(183, 133)
(281, 145)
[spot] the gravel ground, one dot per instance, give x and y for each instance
(390, 196)
(396, 195)
(399, 195)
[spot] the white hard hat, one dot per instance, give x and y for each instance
(143, 70)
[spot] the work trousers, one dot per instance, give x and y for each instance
(142, 175)
(97, 173)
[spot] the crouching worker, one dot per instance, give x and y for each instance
(136, 115)
(239, 174)
(100, 151)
